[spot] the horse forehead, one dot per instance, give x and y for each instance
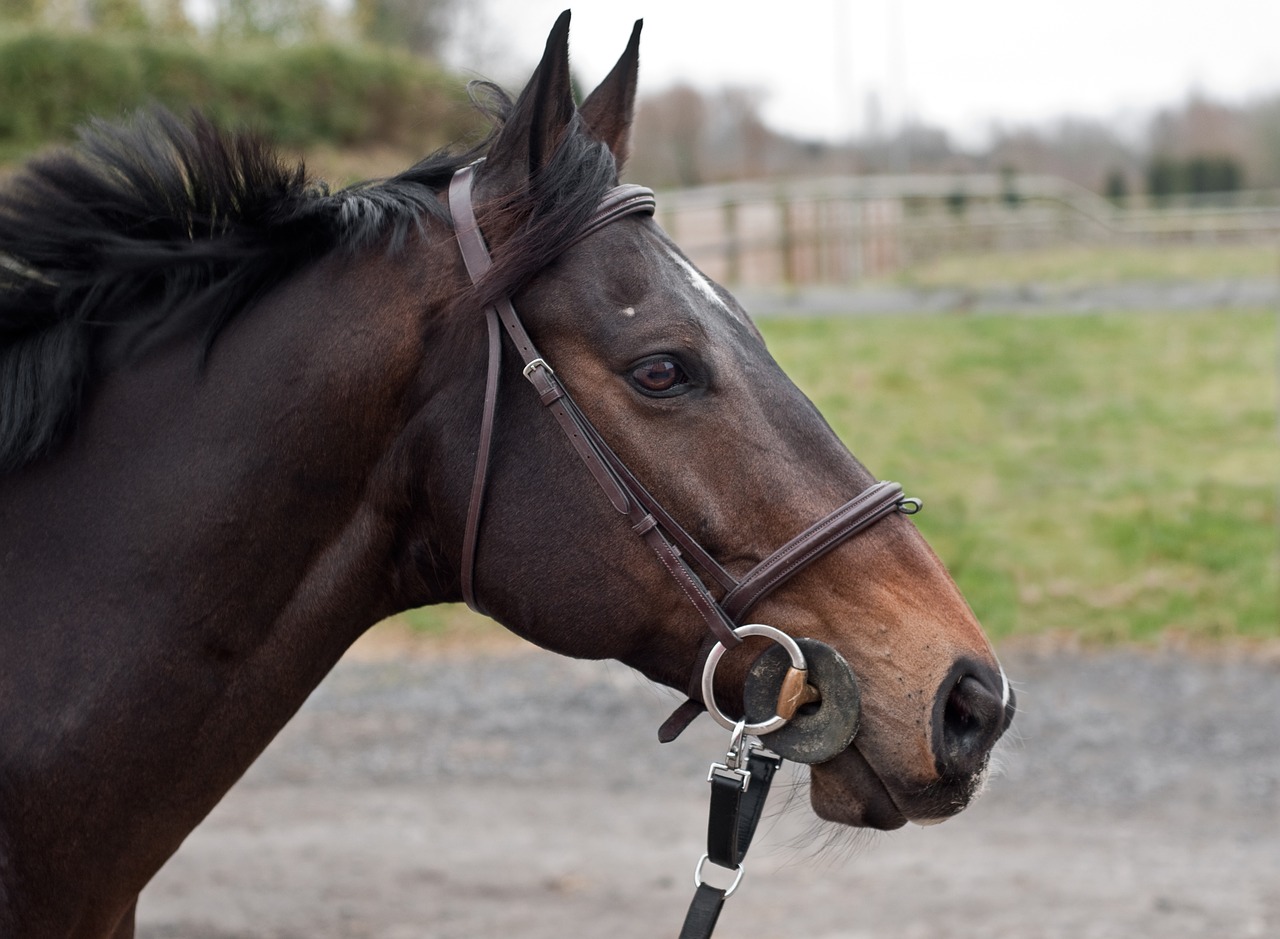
(662, 262)
(698, 281)
(637, 278)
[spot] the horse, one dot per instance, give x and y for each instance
(244, 418)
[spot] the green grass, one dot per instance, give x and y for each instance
(1114, 477)
(1110, 477)
(445, 620)
(1086, 265)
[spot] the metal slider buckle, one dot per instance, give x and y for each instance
(719, 769)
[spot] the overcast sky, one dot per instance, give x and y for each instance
(960, 64)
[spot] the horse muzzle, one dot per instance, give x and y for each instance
(972, 707)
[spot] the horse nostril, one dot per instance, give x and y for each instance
(969, 718)
(961, 723)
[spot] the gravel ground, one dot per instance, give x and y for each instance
(517, 792)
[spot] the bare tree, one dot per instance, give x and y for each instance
(278, 20)
(421, 26)
(670, 137)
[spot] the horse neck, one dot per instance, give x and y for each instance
(193, 561)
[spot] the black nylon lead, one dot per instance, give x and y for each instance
(737, 804)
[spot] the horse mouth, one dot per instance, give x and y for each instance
(848, 790)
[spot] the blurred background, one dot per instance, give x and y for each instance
(1022, 256)
(1025, 257)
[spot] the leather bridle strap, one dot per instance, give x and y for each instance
(858, 514)
(586, 441)
(625, 493)
(480, 474)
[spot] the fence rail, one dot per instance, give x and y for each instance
(841, 230)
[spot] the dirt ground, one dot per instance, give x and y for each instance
(516, 793)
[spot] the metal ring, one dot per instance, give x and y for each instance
(709, 674)
(737, 877)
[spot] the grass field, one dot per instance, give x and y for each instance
(1112, 477)
(1094, 265)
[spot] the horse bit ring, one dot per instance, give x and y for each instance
(795, 680)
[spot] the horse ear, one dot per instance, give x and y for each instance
(542, 114)
(608, 111)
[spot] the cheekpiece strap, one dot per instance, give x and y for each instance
(620, 486)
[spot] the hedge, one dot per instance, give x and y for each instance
(300, 95)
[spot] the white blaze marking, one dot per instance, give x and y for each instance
(629, 311)
(701, 284)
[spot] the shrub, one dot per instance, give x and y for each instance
(1199, 175)
(299, 95)
(1117, 188)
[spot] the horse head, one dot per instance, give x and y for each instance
(678, 380)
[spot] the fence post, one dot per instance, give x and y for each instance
(669, 208)
(787, 241)
(732, 246)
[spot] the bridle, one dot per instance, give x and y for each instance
(664, 535)
(740, 784)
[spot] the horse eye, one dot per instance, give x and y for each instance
(661, 375)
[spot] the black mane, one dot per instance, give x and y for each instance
(157, 228)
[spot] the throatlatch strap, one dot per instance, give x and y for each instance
(480, 475)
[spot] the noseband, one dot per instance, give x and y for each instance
(664, 535)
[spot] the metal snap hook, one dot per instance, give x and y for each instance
(709, 673)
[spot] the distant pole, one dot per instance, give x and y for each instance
(844, 68)
(898, 81)
(787, 241)
(733, 248)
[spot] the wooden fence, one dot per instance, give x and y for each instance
(841, 230)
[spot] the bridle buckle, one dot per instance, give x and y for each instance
(535, 364)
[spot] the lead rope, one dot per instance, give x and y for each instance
(739, 787)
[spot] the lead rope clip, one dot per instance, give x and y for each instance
(739, 787)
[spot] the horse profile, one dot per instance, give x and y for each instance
(239, 418)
